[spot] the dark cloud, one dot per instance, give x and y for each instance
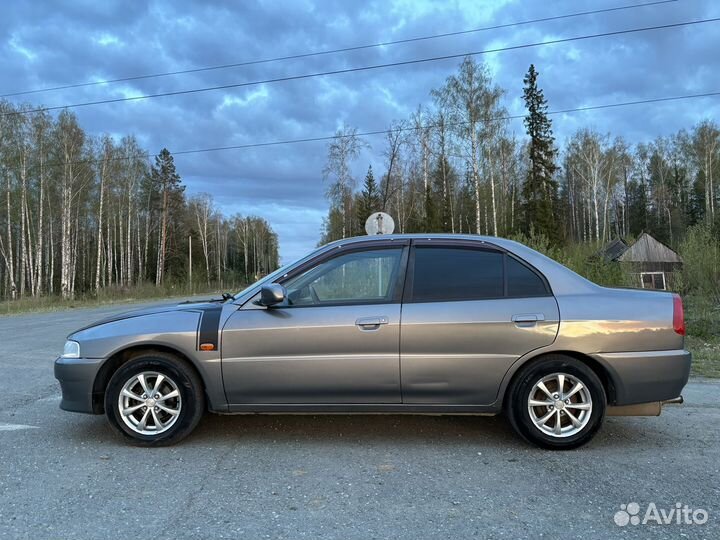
(60, 43)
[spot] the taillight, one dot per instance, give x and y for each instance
(678, 315)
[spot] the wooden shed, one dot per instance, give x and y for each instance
(648, 260)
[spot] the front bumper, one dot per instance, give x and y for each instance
(643, 377)
(77, 376)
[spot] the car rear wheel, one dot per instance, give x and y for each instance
(155, 399)
(557, 402)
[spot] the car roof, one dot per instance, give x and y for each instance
(417, 236)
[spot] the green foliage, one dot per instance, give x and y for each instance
(706, 356)
(332, 227)
(164, 173)
(702, 319)
(584, 260)
(580, 258)
(637, 202)
(702, 316)
(701, 262)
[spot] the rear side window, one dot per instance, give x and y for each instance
(522, 281)
(446, 274)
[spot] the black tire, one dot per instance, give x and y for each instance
(518, 410)
(185, 379)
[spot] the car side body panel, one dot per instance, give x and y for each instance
(457, 353)
(173, 329)
(629, 333)
(459, 356)
(312, 355)
(617, 320)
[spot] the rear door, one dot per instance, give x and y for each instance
(469, 311)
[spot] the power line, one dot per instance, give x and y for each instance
(335, 51)
(325, 138)
(363, 68)
(448, 124)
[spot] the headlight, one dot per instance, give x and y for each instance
(71, 349)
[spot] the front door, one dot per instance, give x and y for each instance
(334, 340)
(469, 313)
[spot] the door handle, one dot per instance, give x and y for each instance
(371, 323)
(527, 318)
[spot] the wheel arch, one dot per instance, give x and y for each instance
(124, 355)
(604, 373)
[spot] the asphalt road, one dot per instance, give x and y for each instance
(65, 475)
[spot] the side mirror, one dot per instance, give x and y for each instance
(272, 294)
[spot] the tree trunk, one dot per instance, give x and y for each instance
(40, 233)
(492, 195)
(98, 260)
(476, 176)
(23, 229)
(163, 239)
(66, 227)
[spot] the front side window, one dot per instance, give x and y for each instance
(355, 277)
(449, 273)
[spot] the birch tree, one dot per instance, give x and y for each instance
(201, 206)
(341, 153)
(470, 102)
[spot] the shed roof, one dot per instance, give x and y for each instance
(648, 249)
(613, 250)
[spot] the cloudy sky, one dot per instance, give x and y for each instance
(47, 44)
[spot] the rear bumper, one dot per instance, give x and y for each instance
(642, 377)
(76, 377)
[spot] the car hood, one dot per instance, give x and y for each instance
(202, 305)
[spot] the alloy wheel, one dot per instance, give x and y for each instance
(560, 405)
(149, 403)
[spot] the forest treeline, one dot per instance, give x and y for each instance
(81, 214)
(455, 166)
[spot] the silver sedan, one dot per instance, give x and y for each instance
(419, 324)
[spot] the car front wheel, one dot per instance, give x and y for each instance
(557, 402)
(155, 399)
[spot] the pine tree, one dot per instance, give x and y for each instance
(369, 200)
(540, 189)
(168, 184)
